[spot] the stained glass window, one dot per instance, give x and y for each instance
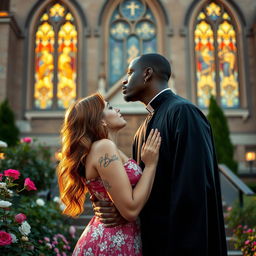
(132, 32)
(215, 42)
(55, 59)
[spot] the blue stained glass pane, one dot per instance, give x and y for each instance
(132, 9)
(148, 15)
(120, 30)
(145, 30)
(133, 48)
(116, 61)
(115, 16)
(149, 46)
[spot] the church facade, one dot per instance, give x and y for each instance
(55, 51)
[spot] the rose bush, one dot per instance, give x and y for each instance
(31, 225)
(34, 160)
(242, 220)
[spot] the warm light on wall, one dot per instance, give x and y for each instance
(250, 156)
(4, 14)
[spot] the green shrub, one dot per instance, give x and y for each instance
(245, 215)
(223, 145)
(9, 132)
(30, 225)
(33, 161)
(242, 220)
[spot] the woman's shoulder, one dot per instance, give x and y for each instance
(103, 145)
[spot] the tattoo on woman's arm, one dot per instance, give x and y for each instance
(106, 184)
(106, 160)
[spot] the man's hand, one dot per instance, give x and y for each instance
(108, 214)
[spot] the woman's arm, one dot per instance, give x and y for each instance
(129, 201)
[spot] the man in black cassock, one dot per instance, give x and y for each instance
(183, 215)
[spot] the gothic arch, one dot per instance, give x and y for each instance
(163, 29)
(30, 29)
(239, 24)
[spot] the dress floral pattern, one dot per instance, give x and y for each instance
(123, 240)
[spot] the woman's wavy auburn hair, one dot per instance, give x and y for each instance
(82, 126)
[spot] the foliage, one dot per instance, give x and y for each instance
(245, 215)
(12, 225)
(223, 145)
(49, 234)
(243, 222)
(245, 240)
(8, 130)
(33, 160)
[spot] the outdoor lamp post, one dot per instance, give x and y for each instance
(250, 158)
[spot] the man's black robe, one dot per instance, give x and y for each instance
(183, 216)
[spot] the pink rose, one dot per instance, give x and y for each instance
(56, 250)
(1, 176)
(29, 184)
(20, 217)
(47, 239)
(26, 140)
(14, 174)
(247, 242)
(5, 238)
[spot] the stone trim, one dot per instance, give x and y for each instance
(10, 19)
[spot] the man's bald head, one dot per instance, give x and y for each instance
(160, 65)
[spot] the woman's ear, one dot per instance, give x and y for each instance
(103, 122)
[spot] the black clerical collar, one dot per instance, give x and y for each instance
(156, 101)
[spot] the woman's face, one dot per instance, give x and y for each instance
(113, 118)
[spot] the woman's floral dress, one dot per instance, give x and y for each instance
(123, 240)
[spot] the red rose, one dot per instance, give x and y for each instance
(14, 174)
(29, 184)
(20, 217)
(5, 238)
(26, 140)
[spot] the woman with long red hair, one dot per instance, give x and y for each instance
(91, 162)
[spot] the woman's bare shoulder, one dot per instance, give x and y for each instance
(103, 145)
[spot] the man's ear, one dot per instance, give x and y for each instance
(148, 72)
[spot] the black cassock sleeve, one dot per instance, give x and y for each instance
(196, 219)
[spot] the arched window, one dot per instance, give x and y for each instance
(216, 58)
(132, 32)
(55, 62)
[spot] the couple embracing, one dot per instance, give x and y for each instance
(164, 201)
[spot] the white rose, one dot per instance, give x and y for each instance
(3, 185)
(40, 202)
(10, 192)
(56, 199)
(4, 204)
(14, 238)
(25, 228)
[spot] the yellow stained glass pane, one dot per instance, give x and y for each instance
(227, 53)
(57, 10)
(226, 16)
(44, 66)
(44, 17)
(67, 71)
(205, 68)
(213, 11)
